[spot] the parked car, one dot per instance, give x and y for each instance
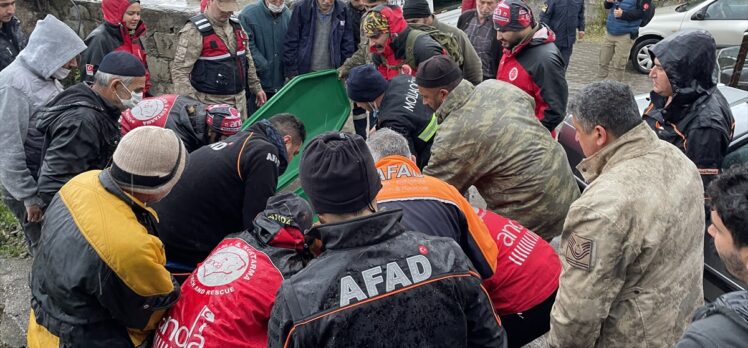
(716, 279)
(726, 59)
(726, 20)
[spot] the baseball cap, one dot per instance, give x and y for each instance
(228, 5)
(512, 15)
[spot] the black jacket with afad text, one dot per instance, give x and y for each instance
(698, 120)
(80, 131)
(223, 187)
(379, 285)
(403, 111)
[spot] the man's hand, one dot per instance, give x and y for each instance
(342, 74)
(618, 12)
(581, 35)
(261, 98)
(34, 213)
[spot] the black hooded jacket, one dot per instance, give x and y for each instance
(722, 323)
(379, 285)
(80, 131)
(698, 120)
(12, 41)
(223, 187)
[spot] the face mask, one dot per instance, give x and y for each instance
(61, 74)
(276, 8)
(135, 98)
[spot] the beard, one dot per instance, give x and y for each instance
(734, 264)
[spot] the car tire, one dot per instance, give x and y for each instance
(640, 57)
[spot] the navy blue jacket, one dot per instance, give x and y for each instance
(297, 49)
(12, 41)
(564, 17)
(629, 21)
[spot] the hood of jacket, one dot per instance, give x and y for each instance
(361, 231)
(733, 305)
(688, 57)
(542, 35)
(114, 10)
(52, 44)
(78, 96)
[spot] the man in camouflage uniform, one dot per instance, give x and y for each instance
(190, 51)
(632, 246)
(489, 137)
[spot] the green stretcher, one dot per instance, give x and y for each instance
(319, 100)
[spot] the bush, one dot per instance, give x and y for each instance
(12, 241)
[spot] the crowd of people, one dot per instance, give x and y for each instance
(154, 220)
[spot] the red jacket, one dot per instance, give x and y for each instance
(467, 5)
(536, 67)
(113, 35)
(527, 268)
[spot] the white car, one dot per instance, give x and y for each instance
(726, 20)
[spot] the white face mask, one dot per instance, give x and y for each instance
(135, 98)
(276, 8)
(61, 74)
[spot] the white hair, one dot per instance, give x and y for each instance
(103, 79)
(386, 142)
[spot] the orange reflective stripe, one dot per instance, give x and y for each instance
(407, 183)
(239, 158)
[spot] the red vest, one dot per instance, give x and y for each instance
(218, 70)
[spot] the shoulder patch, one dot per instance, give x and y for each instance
(580, 252)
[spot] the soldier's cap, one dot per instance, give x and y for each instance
(228, 5)
(512, 15)
(438, 71)
(284, 211)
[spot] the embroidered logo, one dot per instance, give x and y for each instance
(513, 74)
(580, 252)
(89, 69)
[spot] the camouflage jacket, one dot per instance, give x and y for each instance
(189, 47)
(632, 248)
(489, 137)
(360, 57)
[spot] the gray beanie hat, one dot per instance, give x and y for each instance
(149, 160)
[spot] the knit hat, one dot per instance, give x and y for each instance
(438, 71)
(338, 174)
(121, 64)
(512, 15)
(365, 83)
(416, 9)
(149, 160)
(285, 210)
(224, 119)
(375, 23)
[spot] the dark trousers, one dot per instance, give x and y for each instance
(251, 106)
(31, 230)
(523, 328)
(566, 54)
(359, 121)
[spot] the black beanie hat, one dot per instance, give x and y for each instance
(416, 9)
(365, 83)
(338, 174)
(121, 64)
(438, 71)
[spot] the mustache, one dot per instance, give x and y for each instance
(379, 47)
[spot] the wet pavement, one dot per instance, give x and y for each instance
(583, 69)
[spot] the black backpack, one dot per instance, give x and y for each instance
(648, 11)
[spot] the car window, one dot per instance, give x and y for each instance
(688, 5)
(444, 5)
(727, 10)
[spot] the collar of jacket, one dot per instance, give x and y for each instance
(455, 100)
(540, 35)
(11, 26)
(734, 305)
(398, 43)
(678, 108)
(634, 143)
(362, 231)
(275, 138)
(105, 177)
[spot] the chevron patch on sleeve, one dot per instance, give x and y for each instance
(580, 252)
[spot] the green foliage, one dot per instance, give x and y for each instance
(12, 243)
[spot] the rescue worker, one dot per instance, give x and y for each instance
(531, 61)
(224, 186)
(686, 109)
(265, 23)
(724, 322)
(25, 86)
(397, 105)
(370, 272)
(489, 138)
(98, 279)
(631, 266)
(478, 25)
(523, 286)
(396, 48)
(418, 15)
(429, 205)
(211, 62)
(12, 38)
(80, 125)
(195, 123)
(252, 263)
(319, 37)
(564, 18)
(121, 30)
